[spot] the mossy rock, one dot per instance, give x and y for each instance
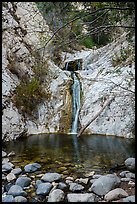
(62, 168)
(65, 172)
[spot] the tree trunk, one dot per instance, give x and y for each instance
(107, 102)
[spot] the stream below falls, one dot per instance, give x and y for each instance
(70, 155)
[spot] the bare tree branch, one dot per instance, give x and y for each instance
(78, 17)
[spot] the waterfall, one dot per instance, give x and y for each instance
(75, 102)
(73, 66)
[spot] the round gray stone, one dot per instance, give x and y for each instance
(23, 181)
(7, 167)
(16, 171)
(130, 164)
(50, 177)
(32, 167)
(16, 190)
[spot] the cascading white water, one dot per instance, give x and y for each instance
(75, 102)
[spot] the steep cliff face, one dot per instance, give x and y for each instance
(24, 34)
(36, 93)
(107, 72)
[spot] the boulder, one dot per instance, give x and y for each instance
(130, 164)
(104, 184)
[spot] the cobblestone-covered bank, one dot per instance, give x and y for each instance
(31, 184)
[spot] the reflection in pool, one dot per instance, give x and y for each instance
(68, 154)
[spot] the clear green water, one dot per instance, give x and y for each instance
(70, 155)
